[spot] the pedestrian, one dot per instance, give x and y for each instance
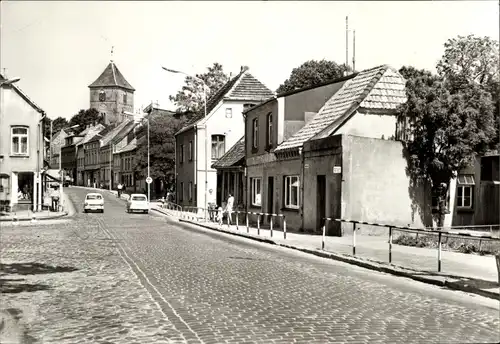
(229, 209)
(120, 187)
(55, 198)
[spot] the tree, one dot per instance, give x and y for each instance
(84, 118)
(448, 129)
(57, 124)
(312, 73)
(469, 60)
(162, 147)
(191, 98)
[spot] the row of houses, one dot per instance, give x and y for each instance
(329, 151)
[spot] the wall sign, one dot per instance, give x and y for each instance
(337, 169)
(306, 166)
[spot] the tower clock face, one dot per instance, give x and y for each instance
(102, 96)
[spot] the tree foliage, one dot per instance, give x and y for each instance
(162, 147)
(191, 98)
(311, 73)
(452, 121)
(57, 124)
(84, 118)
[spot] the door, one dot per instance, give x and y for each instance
(320, 201)
(270, 194)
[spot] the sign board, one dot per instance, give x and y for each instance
(306, 166)
(149, 180)
(210, 191)
(337, 169)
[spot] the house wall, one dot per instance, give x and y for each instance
(370, 125)
(261, 113)
(376, 187)
(186, 169)
(216, 124)
(80, 152)
(15, 111)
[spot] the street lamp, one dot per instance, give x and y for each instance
(206, 132)
(9, 81)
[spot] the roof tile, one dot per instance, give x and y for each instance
(232, 156)
(112, 77)
(376, 88)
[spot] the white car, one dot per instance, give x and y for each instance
(138, 202)
(93, 202)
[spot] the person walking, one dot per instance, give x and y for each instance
(120, 187)
(229, 209)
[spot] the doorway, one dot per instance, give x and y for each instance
(270, 194)
(320, 201)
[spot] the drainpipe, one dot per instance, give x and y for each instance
(36, 199)
(301, 152)
(196, 162)
(245, 189)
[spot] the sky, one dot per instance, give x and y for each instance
(58, 48)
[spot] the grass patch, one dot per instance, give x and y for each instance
(462, 245)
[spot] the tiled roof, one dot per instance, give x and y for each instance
(116, 131)
(232, 156)
(243, 86)
(130, 147)
(99, 135)
(111, 77)
(90, 133)
(380, 88)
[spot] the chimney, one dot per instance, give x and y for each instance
(244, 69)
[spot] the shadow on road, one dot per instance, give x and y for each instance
(19, 285)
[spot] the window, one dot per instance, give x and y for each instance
(292, 192)
(269, 129)
(229, 113)
(218, 146)
(124, 98)
(190, 191)
(102, 96)
(465, 190)
(190, 150)
(256, 191)
(181, 153)
(181, 192)
(490, 168)
(19, 141)
(255, 133)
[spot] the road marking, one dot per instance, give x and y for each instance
(130, 262)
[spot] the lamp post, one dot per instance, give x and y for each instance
(9, 81)
(206, 132)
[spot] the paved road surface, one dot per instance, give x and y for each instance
(146, 279)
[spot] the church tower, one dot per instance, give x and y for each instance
(112, 95)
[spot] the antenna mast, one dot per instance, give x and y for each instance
(354, 51)
(346, 44)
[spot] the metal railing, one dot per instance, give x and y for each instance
(439, 233)
(173, 206)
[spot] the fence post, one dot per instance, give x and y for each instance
(237, 213)
(354, 238)
(271, 225)
(228, 219)
(390, 244)
(284, 227)
(258, 224)
(439, 251)
(248, 228)
(323, 236)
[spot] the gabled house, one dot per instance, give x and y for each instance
(204, 140)
(88, 134)
(346, 155)
(69, 157)
(21, 149)
(58, 141)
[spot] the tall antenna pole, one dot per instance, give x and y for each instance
(353, 51)
(346, 44)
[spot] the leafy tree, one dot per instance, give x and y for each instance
(84, 118)
(191, 97)
(57, 124)
(161, 147)
(448, 129)
(312, 73)
(468, 60)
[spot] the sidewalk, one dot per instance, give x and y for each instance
(28, 215)
(467, 272)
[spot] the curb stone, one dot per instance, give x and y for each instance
(368, 264)
(24, 219)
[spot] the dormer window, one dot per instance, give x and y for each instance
(102, 96)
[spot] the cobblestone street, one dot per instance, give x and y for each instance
(136, 278)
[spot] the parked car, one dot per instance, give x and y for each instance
(93, 202)
(138, 202)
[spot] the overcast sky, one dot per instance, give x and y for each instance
(58, 48)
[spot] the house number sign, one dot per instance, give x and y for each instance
(337, 169)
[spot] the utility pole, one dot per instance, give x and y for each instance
(149, 184)
(353, 51)
(50, 146)
(346, 44)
